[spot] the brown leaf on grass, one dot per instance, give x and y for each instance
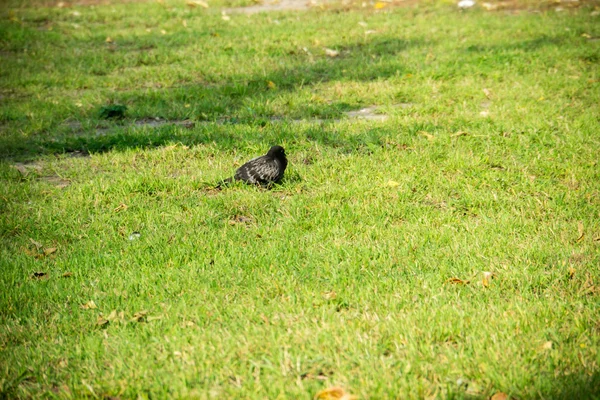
(459, 133)
(67, 275)
(49, 250)
(37, 245)
(457, 281)
(39, 275)
(571, 272)
(140, 316)
(580, 232)
(487, 92)
(102, 322)
(90, 305)
(121, 207)
(334, 393)
(499, 396)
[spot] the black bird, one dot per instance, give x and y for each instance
(264, 170)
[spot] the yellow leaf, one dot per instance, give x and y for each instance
(331, 53)
(140, 316)
(586, 35)
(271, 85)
(90, 305)
(112, 316)
(121, 207)
(547, 345)
(487, 277)
(195, 3)
(49, 251)
(108, 39)
(379, 5)
(428, 135)
(334, 393)
(329, 295)
(392, 184)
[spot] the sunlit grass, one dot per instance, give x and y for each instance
(344, 274)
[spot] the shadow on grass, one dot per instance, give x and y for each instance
(225, 137)
(577, 386)
(230, 104)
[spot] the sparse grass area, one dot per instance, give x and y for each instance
(488, 162)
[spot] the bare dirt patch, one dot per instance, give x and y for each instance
(272, 5)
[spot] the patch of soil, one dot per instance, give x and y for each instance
(272, 5)
(369, 113)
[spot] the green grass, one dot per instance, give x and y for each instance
(340, 276)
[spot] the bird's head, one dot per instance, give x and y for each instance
(276, 152)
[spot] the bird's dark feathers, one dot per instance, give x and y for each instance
(263, 170)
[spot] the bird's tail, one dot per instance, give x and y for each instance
(224, 182)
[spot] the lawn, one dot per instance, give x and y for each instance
(444, 243)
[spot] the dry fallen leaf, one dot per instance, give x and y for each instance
(334, 393)
(38, 245)
(90, 305)
(459, 133)
(329, 295)
(49, 251)
(112, 316)
(195, 3)
(487, 277)
(457, 281)
(102, 322)
(392, 184)
(547, 345)
(499, 396)
(108, 39)
(140, 316)
(67, 274)
(571, 272)
(271, 85)
(331, 53)
(580, 231)
(121, 207)
(428, 135)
